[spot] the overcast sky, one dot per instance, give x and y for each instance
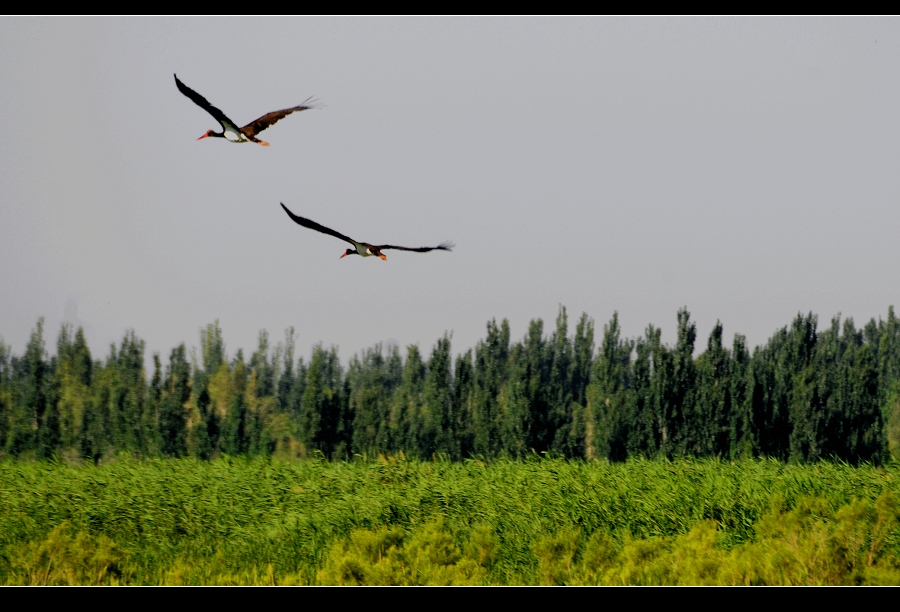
(744, 168)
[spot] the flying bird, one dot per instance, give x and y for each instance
(230, 130)
(362, 248)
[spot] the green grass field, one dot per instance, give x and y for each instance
(389, 521)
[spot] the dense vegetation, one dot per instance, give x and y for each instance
(807, 394)
(396, 521)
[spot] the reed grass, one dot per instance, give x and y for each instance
(268, 521)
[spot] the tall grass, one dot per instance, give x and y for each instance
(268, 521)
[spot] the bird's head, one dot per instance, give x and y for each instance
(349, 252)
(207, 135)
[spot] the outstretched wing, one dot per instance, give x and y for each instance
(315, 226)
(204, 104)
(444, 246)
(252, 129)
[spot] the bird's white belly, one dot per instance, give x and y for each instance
(233, 135)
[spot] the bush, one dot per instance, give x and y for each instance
(426, 556)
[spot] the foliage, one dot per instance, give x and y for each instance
(398, 521)
(806, 395)
(64, 558)
(389, 556)
(810, 544)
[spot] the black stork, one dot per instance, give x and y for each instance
(230, 130)
(362, 248)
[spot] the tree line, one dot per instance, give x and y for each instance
(807, 394)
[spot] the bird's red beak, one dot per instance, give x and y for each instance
(342, 256)
(383, 256)
(204, 136)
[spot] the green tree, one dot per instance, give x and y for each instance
(175, 406)
(644, 434)
(491, 362)
(154, 408)
(437, 419)
(30, 374)
(212, 347)
(582, 358)
(685, 422)
(49, 434)
(129, 394)
(558, 390)
(322, 418)
(290, 387)
(525, 417)
(371, 389)
(463, 397)
(97, 433)
(796, 378)
(518, 398)
(266, 370)
(406, 405)
(236, 434)
(7, 402)
(854, 426)
(74, 377)
(888, 365)
(742, 442)
(203, 424)
(888, 354)
(712, 401)
(663, 394)
(609, 396)
(768, 399)
(582, 361)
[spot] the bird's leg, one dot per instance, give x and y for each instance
(262, 143)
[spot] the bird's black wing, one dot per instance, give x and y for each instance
(252, 129)
(204, 104)
(444, 246)
(315, 226)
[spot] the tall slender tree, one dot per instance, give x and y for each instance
(559, 397)
(685, 420)
(321, 419)
(406, 405)
(610, 398)
(7, 400)
(212, 347)
(491, 362)
(796, 381)
(742, 441)
(517, 402)
(644, 433)
(463, 398)
(582, 360)
(74, 376)
(370, 401)
(709, 429)
(30, 373)
(174, 407)
(437, 420)
(129, 397)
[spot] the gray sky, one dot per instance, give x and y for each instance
(745, 168)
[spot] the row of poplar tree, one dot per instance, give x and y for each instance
(806, 395)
